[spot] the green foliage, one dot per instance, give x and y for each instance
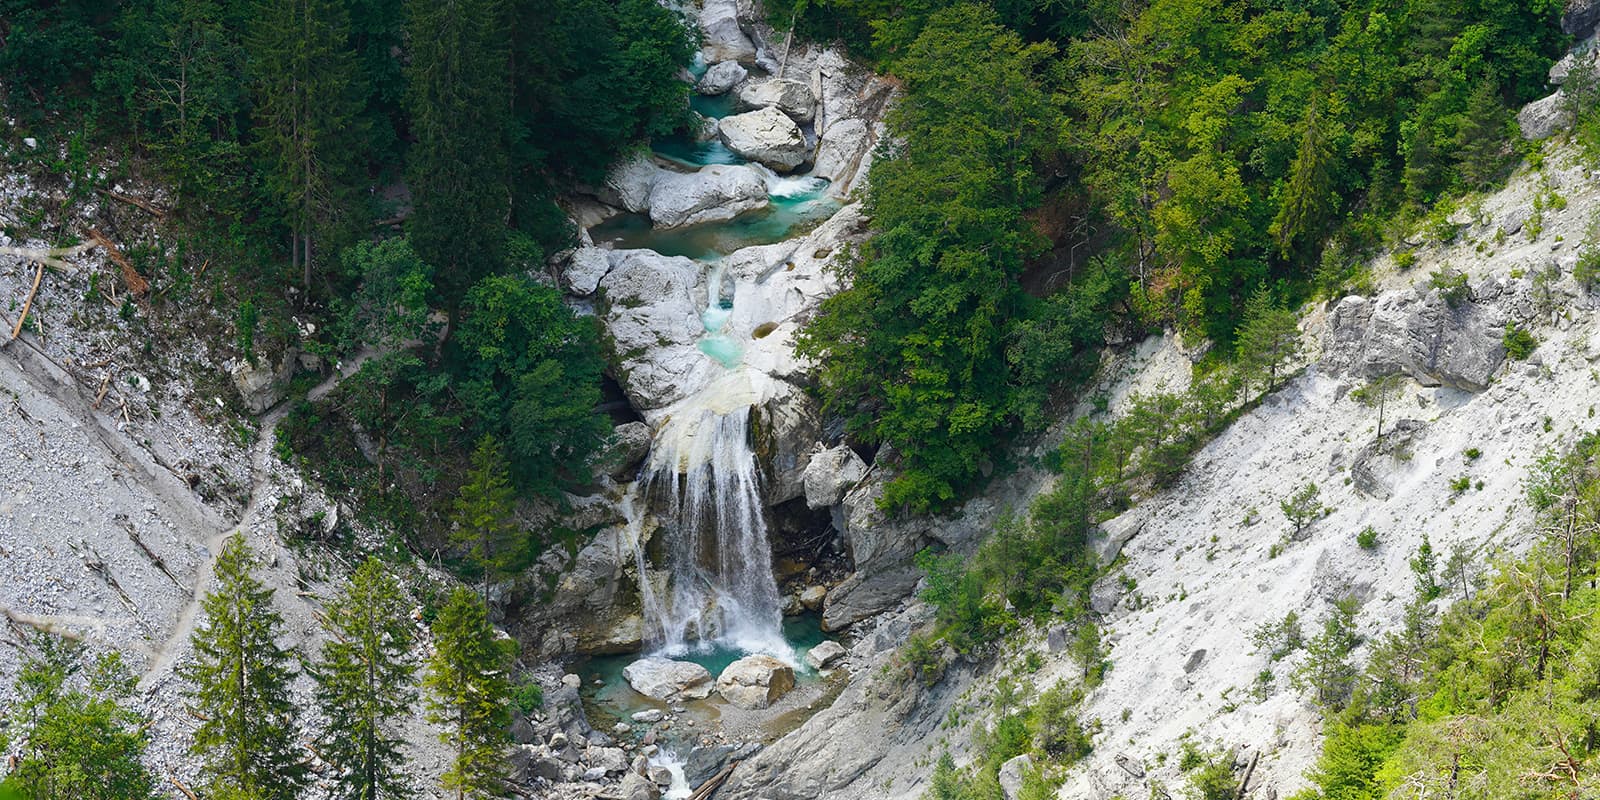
(1213, 780)
(1519, 343)
(1326, 671)
(1268, 337)
(969, 617)
(1452, 286)
(527, 697)
(245, 330)
(469, 695)
(915, 351)
(1424, 565)
(1279, 639)
(389, 306)
(79, 741)
(239, 683)
(1302, 508)
(1378, 393)
(1367, 539)
(364, 685)
(1587, 270)
(485, 519)
(528, 373)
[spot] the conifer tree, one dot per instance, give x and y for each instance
(1268, 337)
(239, 684)
(308, 109)
(485, 524)
(1481, 139)
(1308, 193)
(468, 692)
(460, 103)
(364, 683)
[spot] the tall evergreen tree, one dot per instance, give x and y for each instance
(364, 683)
(485, 524)
(239, 683)
(469, 691)
(1268, 337)
(1308, 193)
(460, 102)
(308, 104)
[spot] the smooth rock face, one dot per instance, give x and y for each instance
(724, 39)
(260, 387)
(841, 149)
(630, 443)
(721, 78)
(585, 269)
(813, 597)
(652, 318)
(755, 681)
(1012, 773)
(786, 434)
(668, 680)
(767, 136)
(825, 654)
(1418, 334)
(791, 97)
(1545, 117)
(712, 194)
(831, 474)
(630, 183)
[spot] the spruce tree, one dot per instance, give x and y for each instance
(1308, 193)
(239, 684)
(364, 684)
(1482, 140)
(485, 524)
(308, 110)
(1268, 337)
(469, 691)
(460, 102)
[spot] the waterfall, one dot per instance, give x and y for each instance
(702, 476)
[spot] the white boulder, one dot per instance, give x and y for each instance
(585, 269)
(766, 135)
(651, 312)
(668, 680)
(631, 181)
(825, 655)
(830, 474)
(791, 97)
(724, 38)
(712, 194)
(721, 78)
(755, 681)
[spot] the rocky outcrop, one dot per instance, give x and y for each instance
(830, 474)
(1545, 117)
(630, 442)
(825, 655)
(584, 270)
(630, 182)
(755, 682)
(667, 680)
(711, 194)
(260, 385)
(1418, 333)
(841, 149)
(766, 135)
(1013, 773)
(651, 312)
(787, 430)
(723, 37)
(720, 78)
(789, 96)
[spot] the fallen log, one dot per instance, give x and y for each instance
(153, 209)
(130, 276)
(187, 792)
(38, 275)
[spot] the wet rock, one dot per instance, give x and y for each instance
(721, 78)
(648, 716)
(786, 431)
(768, 136)
(1012, 773)
(668, 680)
(585, 269)
(703, 763)
(825, 655)
(711, 194)
(791, 97)
(630, 443)
(755, 681)
(830, 474)
(638, 787)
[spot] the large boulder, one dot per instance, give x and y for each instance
(841, 149)
(786, 429)
(711, 194)
(1013, 773)
(630, 182)
(630, 443)
(651, 312)
(261, 385)
(825, 655)
(830, 474)
(585, 269)
(721, 78)
(724, 38)
(789, 96)
(766, 135)
(1545, 117)
(755, 681)
(667, 680)
(1418, 333)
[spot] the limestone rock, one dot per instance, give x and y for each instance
(724, 39)
(1418, 334)
(711, 194)
(831, 474)
(631, 181)
(767, 136)
(585, 269)
(825, 654)
(864, 594)
(652, 316)
(755, 681)
(1012, 773)
(721, 78)
(260, 386)
(649, 716)
(791, 97)
(668, 680)
(638, 787)
(1545, 117)
(813, 597)
(630, 442)
(786, 433)
(841, 148)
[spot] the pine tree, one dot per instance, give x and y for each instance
(468, 691)
(1268, 337)
(460, 100)
(1378, 393)
(1308, 193)
(485, 523)
(364, 683)
(308, 109)
(1482, 140)
(239, 682)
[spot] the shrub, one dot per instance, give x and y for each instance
(1367, 539)
(1302, 508)
(1279, 639)
(528, 697)
(1452, 286)
(1405, 260)
(1519, 343)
